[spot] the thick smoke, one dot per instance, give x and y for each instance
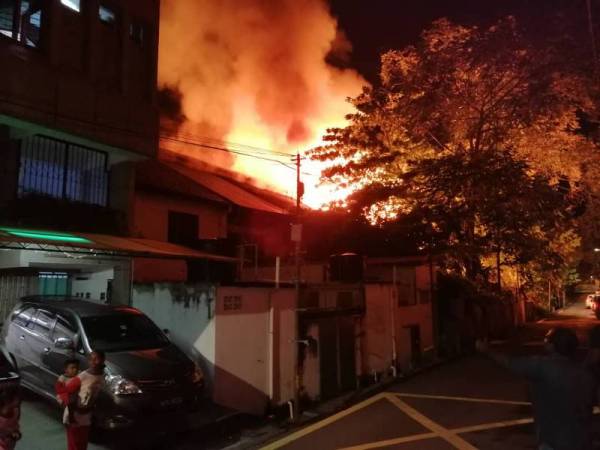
(256, 72)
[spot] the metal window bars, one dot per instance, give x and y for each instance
(62, 170)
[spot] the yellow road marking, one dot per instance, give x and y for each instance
(492, 426)
(442, 432)
(323, 423)
(423, 436)
(462, 399)
(395, 441)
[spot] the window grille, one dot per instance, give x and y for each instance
(62, 170)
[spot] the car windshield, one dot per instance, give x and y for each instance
(122, 332)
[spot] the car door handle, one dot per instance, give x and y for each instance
(22, 337)
(46, 349)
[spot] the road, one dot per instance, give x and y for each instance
(468, 404)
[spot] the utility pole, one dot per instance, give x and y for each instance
(297, 239)
(592, 36)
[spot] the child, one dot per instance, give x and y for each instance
(10, 411)
(67, 388)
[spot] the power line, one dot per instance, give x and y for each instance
(235, 152)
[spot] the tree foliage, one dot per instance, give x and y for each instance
(470, 136)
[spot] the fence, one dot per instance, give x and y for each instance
(12, 288)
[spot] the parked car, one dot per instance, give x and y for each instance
(596, 306)
(589, 301)
(148, 379)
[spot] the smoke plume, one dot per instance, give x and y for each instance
(256, 72)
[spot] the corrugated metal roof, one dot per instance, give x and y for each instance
(228, 190)
(87, 243)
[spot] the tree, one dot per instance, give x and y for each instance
(470, 136)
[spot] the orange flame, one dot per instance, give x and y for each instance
(256, 73)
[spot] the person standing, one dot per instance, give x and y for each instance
(563, 391)
(91, 383)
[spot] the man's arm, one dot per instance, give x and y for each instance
(527, 366)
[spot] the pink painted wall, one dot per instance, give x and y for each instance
(150, 270)
(151, 216)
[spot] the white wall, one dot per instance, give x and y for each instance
(254, 349)
(94, 283)
(187, 311)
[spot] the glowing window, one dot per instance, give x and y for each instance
(75, 5)
(107, 15)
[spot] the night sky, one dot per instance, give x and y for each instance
(379, 25)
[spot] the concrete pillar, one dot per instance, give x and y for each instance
(9, 169)
(121, 284)
(122, 192)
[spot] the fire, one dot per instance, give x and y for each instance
(256, 73)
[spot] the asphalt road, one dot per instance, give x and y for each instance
(468, 404)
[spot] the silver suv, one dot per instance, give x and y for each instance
(148, 379)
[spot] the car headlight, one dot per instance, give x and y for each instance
(197, 376)
(122, 386)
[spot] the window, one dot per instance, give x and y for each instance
(232, 302)
(406, 281)
(183, 228)
(345, 300)
(61, 170)
(23, 317)
(64, 329)
(424, 296)
(74, 5)
(310, 300)
(136, 33)
(21, 20)
(42, 323)
(123, 332)
(106, 14)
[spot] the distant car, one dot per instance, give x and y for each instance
(148, 379)
(589, 301)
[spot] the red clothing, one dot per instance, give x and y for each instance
(77, 437)
(65, 389)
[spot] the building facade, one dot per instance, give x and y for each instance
(77, 109)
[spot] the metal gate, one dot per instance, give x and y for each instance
(12, 288)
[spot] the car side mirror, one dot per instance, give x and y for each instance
(64, 343)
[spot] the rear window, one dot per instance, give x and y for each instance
(122, 332)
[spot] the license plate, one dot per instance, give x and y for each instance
(171, 402)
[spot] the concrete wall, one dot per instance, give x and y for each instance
(187, 311)
(254, 347)
(86, 78)
(381, 311)
(92, 283)
(151, 216)
(241, 337)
